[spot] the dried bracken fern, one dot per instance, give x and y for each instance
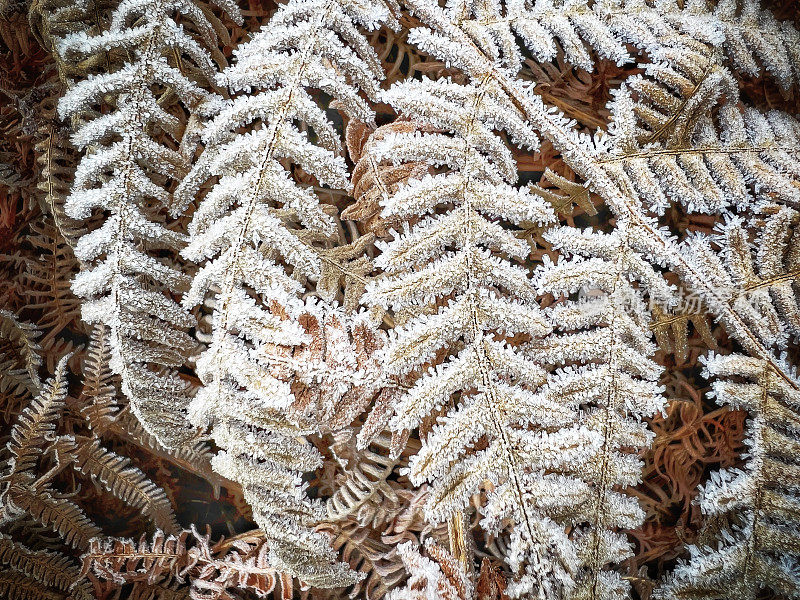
(518, 279)
(239, 563)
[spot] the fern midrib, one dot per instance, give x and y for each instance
(759, 424)
(476, 332)
(768, 283)
(701, 150)
(601, 499)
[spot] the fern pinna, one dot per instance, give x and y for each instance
(126, 282)
(253, 234)
(608, 376)
(756, 505)
(465, 301)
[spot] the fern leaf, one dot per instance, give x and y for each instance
(364, 494)
(545, 27)
(250, 232)
(338, 371)
(456, 305)
(98, 393)
(761, 546)
(126, 482)
(48, 281)
(52, 510)
(440, 576)
(604, 351)
(573, 194)
(376, 561)
(344, 272)
(241, 562)
(374, 180)
(48, 568)
(157, 567)
(683, 153)
(52, 20)
(119, 175)
(36, 425)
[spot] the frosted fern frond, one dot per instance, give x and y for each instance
(603, 349)
(128, 282)
(584, 32)
(760, 282)
(326, 382)
(756, 41)
(759, 545)
(678, 136)
(267, 457)
(36, 427)
(463, 303)
(253, 234)
(441, 576)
